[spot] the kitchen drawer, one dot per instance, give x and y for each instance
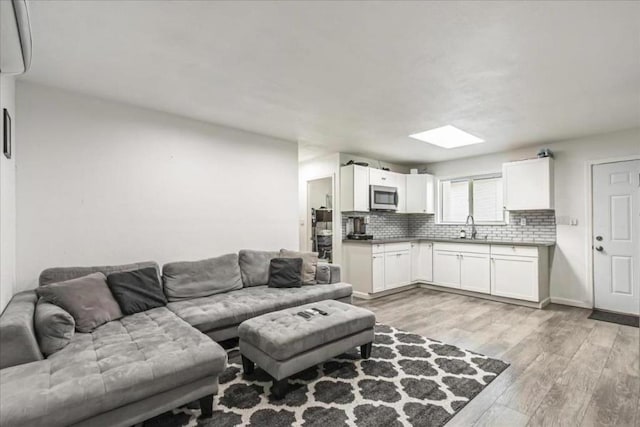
(529, 251)
(395, 247)
(476, 248)
(377, 248)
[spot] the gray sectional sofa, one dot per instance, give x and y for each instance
(141, 365)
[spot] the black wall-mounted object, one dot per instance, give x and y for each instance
(6, 138)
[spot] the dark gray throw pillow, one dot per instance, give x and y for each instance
(88, 299)
(137, 290)
(285, 273)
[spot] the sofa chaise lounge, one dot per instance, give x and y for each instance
(139, 366)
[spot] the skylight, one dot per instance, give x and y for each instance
(447, 137)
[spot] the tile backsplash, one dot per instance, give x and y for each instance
(541, 225)
(383, 225)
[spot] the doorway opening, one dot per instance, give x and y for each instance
(320, 218)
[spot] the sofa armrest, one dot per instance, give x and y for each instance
(334, 273)
(18, 343)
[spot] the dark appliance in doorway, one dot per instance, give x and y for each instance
(322, 233)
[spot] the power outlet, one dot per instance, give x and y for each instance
(523, 221)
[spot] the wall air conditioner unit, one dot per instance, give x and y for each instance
(15, 37)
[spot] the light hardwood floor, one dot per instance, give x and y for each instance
(566, 369)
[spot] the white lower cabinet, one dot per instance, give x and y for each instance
(475, 272)
(446, 268)
(373, 268)
(397, 269)
(421, 262)
(518, 272)
(515, 277)
(377, 272)
(462, 266)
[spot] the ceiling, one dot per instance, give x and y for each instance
(352, 76)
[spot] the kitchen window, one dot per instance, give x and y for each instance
(480, 196)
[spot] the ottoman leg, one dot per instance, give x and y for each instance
(206, 407)
(247, 365)
(279, 388)
(365, 350)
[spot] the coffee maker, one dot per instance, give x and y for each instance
(357, 228)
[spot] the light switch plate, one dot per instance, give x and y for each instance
(523, 221)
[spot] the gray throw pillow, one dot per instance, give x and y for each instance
(309, 264)
(88, 299)
(254, 266)
(193, 279)
(323, 274)
(285, 273)
(54, 327)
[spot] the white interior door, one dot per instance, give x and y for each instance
(616, 236)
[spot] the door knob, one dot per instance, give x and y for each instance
(599, 248)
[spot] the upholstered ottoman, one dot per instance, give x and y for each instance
(284, 343)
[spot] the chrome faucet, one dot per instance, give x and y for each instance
(473, 226)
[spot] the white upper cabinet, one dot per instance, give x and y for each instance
(415, 192)
(380, 177)
(400, 182)
(528, 184)
(354, 188)
(420, 194)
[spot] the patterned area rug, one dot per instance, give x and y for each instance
(408, 381)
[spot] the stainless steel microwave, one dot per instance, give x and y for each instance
(383, 198)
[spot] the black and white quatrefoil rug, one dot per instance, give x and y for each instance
(408, 381)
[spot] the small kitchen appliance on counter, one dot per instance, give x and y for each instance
(357, 228)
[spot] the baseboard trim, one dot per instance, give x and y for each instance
(363, 295)
(541, 304)
(523, 303)
(571, 302)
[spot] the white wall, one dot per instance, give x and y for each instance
(105, 183)
(7, 196)
(570, 276)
